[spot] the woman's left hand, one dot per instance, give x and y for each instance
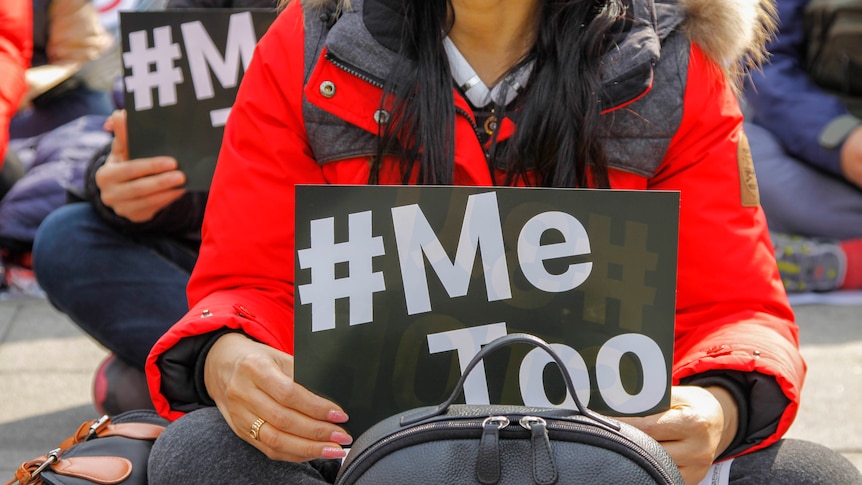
(700, 424)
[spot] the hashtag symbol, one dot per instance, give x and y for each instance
(620, 273)
(360, 284)
(164, 76)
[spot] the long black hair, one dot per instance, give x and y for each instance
(556, 114)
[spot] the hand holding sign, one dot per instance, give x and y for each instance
(182, 72)
(693, 447)
(136, 189)
(422, 277)
(253, 383)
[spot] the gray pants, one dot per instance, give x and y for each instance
(799, 199)
(201, 448)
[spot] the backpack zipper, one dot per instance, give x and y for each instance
(476, 424)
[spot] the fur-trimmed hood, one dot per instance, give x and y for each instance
(732, 32)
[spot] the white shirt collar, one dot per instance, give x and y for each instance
(476, 91)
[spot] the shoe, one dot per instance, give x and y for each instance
(809, 264)
(119, 387)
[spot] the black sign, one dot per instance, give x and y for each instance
(398, 287)
(182, 69)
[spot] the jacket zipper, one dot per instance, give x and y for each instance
(354, 71)
(465, 114)
(375, 82)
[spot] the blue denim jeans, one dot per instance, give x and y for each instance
(71, 106)
(124, 291)
(800, 199)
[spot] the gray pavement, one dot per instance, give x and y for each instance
(47, 364)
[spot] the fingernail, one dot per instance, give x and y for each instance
(338, 416)
(330, 452)
(341, 438)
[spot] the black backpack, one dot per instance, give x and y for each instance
(506, 445)
(833, 56)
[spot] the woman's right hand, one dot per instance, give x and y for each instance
(136, 189)
(249, 380)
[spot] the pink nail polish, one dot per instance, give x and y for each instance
(331, 453)
(338, 416)
(341, 438)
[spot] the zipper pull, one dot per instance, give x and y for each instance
(544, 468)
(97, 427)
(488, 461)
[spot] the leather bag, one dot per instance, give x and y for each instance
(105, 451)
(503, 444)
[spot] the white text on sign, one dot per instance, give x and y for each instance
(467, 342)
(153, 67)
(416, 241)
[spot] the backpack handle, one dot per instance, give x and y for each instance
(494, 345)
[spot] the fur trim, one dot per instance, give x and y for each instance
(734, 33)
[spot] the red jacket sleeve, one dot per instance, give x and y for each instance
(16, 46)
(732, 311)
(243, 278)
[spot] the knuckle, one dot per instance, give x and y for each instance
(233, 393)
(283, 419)
(121, 210)
(109, 200)
(270, 453)
(249, 363)
(321, 432)
(311, 451)
(703, 424)
(703, 458)
(286, 391)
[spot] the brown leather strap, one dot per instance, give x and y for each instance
(24, 473)
(79, 436)
(99, 469)
(138, 431)
(84, 431)
(106, 470)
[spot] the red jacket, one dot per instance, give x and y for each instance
(732, 312)
(16, 48)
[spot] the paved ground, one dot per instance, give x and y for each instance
(46, 367)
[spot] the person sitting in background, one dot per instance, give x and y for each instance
(16, 48)
(118, 263)
(66, 34)
(56, 126)
(807, 150)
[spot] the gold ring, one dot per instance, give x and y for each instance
(255, 429)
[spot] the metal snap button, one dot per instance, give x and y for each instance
(327, 89)
(381, 117)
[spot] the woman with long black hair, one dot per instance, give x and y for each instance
(612, 94)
